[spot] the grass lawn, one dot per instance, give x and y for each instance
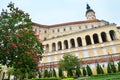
(103, 77)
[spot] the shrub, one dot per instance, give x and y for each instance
(70, 73)
(113, 68)
(46, 73)
(60, 72)
(84, 72)
(46, 79)
(68, 79)
(109, 68)
(78, 72)
(99, 69)
(54, 73)
(119, 66)
(89, 71)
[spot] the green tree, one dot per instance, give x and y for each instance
(119, 66)
(113, 68)
(54, 73)
(60, 72)
(69, 63)
(84, 71)
(89, 71)
(99, 69)
(78, 72)
(46, 73)
(109, 68)
(20, 47)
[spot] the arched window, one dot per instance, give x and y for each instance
(112, 35)
(88, 40)
(65, 44)
(72, 42)
(64, 29)
(79, 41)
(59, 45)
(104, 37)
(53, 46)
(95, 38)
(47, 48)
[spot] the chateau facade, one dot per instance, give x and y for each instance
(92, 41)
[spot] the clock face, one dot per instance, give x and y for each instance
(91, 15)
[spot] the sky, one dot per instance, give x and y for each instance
(49, 12)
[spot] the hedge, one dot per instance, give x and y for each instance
(46, 79)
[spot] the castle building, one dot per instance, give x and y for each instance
(93, 41)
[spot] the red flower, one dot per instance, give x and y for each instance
(14, 45)
(35, 59)
(17, 34)
(7, 51)
(20, 62)
(28, 53)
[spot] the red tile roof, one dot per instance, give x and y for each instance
(64, 24)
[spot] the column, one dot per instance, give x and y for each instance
(100, 38)
(91, 37)
(56, 46)
(83, 41)
(76, 44)
(69, 44)
(50, 47)
(62, 45)
(108, 36)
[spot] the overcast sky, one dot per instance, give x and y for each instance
(60, 11)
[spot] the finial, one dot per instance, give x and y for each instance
(88, 7)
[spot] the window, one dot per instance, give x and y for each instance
(53, 31)
(70, 28)
(58, 30)
(79, 27)
(45, 31)
(64, 29)
(86, 27)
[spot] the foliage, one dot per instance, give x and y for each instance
(99, 69)
(46, 73)
(78, 72)
(60, 72)
(20, 48)
(54, 73)
(89, 71)
(46, 79)
(68, 79)
(119, 66)
(84, 71)
(69, 73)
(109, 68)
(113, 68)
(69, 63)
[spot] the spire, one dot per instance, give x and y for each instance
(90, 14)
(88, 7)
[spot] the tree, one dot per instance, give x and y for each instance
(78, 72)
(119, 66)
(109, 68)
(69, 63)
(89, 71)
(99, 69)
(113, 68)
(20, 47)
(46, 73)
(60, 72)
(84, 71)
(54, 73)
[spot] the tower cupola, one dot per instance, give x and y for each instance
(90, 14)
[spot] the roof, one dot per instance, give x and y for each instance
(68, 23)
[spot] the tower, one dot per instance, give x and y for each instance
(90, 14)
